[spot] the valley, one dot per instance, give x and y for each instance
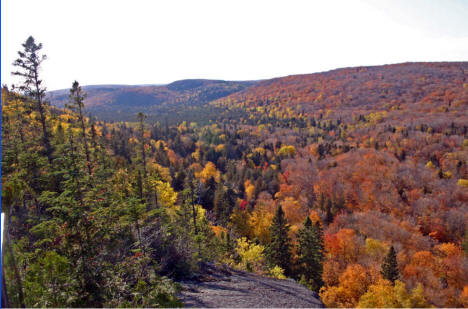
(352, 182)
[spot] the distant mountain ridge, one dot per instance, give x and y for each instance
(412, 88)
(123, 102)
(346, 91)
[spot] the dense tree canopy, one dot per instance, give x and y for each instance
(350, 181)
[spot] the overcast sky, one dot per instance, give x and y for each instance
(147, 42)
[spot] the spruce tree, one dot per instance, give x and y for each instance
(77, 105)
(141, 119)
(29, 63)
(330, 207)
(390, 266)
(278, 250)
(208, 194)
(190, 197)
(310, 254)
(224, 202)
(220, 204)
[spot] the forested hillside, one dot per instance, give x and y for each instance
(184, 100)
(380, 154)
(399, 89)
(354, 182)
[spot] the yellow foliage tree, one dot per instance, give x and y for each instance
(417, 298)
(252, 257)
(384, 295)
(286, 151)
(260, 221)
(163, 172)
(249, 190)
(167, 197)
(375, 248)
(380, 295)
(209, 171)
(277, 272)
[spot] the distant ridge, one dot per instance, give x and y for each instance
(123, 102)
(355, 89)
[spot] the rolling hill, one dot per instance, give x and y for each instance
(406, 89)
(180, 100)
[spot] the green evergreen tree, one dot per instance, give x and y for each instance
(390, 266)
(208, 194)
(29, 63)
(77, 98)
(278, 251)
(141, 130)
(310, 254)
(224, 202)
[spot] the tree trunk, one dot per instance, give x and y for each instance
(14, 265)
(85, 142)
(40, 107)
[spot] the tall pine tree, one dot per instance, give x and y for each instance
(77, 97)
(29, 63)
(278, 250)
(141, 130)
(390, 266)
(310, 254)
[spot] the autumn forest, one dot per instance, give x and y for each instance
(352, 182)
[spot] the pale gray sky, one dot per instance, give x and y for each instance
(143, 42)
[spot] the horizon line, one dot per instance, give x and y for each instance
(261, 79)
